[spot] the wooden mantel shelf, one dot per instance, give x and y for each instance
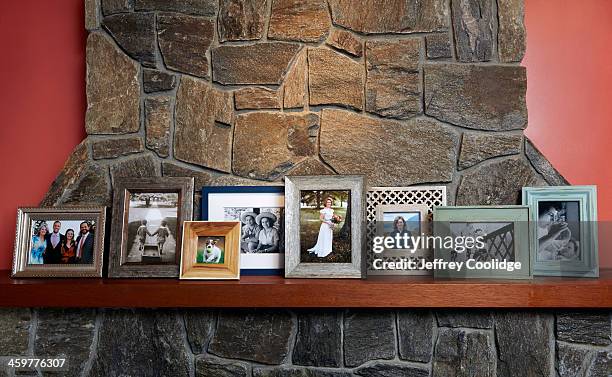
(277, 292)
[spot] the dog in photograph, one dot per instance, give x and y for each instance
(212, 253)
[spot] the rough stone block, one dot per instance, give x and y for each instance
(203, 132)
(464, 353)
(113, 89)
(261, 63)
(201, 178)
(184, 41)
(476, 148)
(14, 331)
(543, 166)
(256, 98)
(116, 147)
(524, 343)
(345, 41)
(319, 339)
(297, 372)
(298, 20)
(295, 89)
(415, 332)
(136, 167)
(365, 141)
(143, 342)
(368, 336)
(135, 33)
(334, 79)
(206, 366)
(390, 369)
(511, 35)
(438, 46)
(475, 27)
(115, 6)
(241, 20)
(260, 336)
(393, 80)
(394, 16)
(584, 327)
(458, 318)
(496, 183)
(200, 325)
(157, 81)
(195, 7)
(158, 119)
(488, 98)
(288, 137)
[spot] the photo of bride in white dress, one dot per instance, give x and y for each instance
(324, 231)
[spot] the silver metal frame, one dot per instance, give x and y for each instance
(122, 187)
(25, 215)
(293, 267)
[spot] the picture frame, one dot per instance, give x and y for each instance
(148, 215)
(249, 204)
(41, 251)
(505, 232)
(211, 250)
(415, 220)
(431, 196)
(341, 243)
(574, 251)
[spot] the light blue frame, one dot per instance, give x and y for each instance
(519, 215)
(587, 198)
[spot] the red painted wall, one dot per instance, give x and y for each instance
(42, 101)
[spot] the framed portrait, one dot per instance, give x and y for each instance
(261, 211)
(563, 230)
(148, 215)
(398, 235)
(211, 250)
(482, 242)
(428, 196)
(324, 219)
(59, 242)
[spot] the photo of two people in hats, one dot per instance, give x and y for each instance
(261, 229)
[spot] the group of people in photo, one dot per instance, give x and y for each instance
(49, 246)
(258, 233)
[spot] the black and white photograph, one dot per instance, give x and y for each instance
(152, 227)
(262, 228)
(325, 228)
(558, 230)
(261, 213)
(497, 237)
(148, 216)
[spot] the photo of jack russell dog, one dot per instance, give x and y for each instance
(212, 253)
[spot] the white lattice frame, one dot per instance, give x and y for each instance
(431, 196)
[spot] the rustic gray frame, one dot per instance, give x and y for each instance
(293, 267)
(122, 187)
(22, 237)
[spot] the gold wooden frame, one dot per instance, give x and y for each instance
(229, 269)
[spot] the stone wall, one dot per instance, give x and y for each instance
(318, 343)
(245, 92)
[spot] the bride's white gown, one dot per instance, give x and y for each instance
(324, 242)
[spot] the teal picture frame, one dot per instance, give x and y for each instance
(586, 196)
(517, 215)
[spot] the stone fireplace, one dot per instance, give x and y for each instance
(244, 92)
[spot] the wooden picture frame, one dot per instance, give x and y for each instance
(64, 265)
(226, 268)
(228, 203)
(500, 226)
(122, 244)
(581, 223)
(294, 186)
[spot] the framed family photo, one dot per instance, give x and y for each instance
(59, 242)
(261, 212)
(490, 242)
(148, 214)
(564, 230)
(211, 250)
(324, 222)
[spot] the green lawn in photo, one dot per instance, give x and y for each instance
(309, 231)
